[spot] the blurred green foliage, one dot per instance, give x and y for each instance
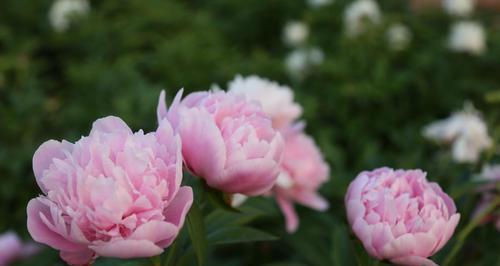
(365, 105)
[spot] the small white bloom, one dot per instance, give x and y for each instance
(276, 100)
(63, 11)
(284, 180)
(360, 14)
(295, 33)
(465, 130)
(300, 60)
(491, 172)
(238, 199)
(467, 36)
(459, 7)
(318, 3)
(398, 36)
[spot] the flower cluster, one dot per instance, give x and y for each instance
(303, 169)
(116, 193)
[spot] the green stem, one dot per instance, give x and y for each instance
(462, 236)
(171, 256)
(156, 260)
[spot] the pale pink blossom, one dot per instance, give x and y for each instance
(276, 100)
(303, 171)
(227, 140)
(113, 193)
(11, 248)
(399, 216)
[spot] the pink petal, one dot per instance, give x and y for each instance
(161, 110)
(448, 230)
(42, 233)
(155, 231)
(177, 209)
(363, 231)
(128, 248)
(83, 257)
(404, 245)
(355, 210)
(250, 177)
(291, 218)
(42, 159)
(425, 244)
(202, 145)
(413, 261)
(110, 124)
(312, 200)
(356, 186)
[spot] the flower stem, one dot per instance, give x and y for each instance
(462, 236)
(156, 260)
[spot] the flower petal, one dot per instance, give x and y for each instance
(291, 218)
(413, 261)
(43, 157)
(110, 124)
(128, 248)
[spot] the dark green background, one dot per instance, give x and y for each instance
(365, 105)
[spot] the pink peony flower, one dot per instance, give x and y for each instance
(303, 171)
(276, 100)
(399, 215)
(11, 248)
(114, 193)
(227, 140)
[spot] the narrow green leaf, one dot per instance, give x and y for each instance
(171, 258)
(196, 229)
(231, 235)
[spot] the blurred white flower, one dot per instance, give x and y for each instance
(318, 3)
(359, 14)
(459, 7)
(277, 100)
(465, 130)
(467, 36)
(300, 60)
(398, 36)
(237, 199)
(63, 12)
(491, 173)
(295, 33)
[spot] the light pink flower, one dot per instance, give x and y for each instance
(399, 215)
(303, 171)
(114, 193)
(227, 140)
(276, 100)
(11, 248)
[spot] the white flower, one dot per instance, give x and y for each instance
(237, 199)
(459, 7)
(295, 33)
(491, 173)
(465, 130)
(467, 36)
(318, 3)
(359, 15)
(300, 60)
(63, 11)
(276, 100)
(398, 36)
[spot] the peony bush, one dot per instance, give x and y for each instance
(265, 168)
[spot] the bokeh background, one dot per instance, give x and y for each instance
(365, 103)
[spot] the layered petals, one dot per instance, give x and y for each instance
(113, 193)
(227, 140)
(399, 216)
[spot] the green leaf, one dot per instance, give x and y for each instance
(231, 235)
(170, 260)
(220, 218)
(196, 229)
